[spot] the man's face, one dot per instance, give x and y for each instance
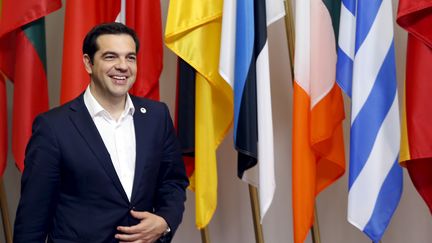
(114, 66)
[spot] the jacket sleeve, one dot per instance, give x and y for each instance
(39, 185)
(172, 179)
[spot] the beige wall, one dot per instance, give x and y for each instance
(232, 221)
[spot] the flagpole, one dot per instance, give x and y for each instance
(290, 33)
(253, 194)
(205, 237)
(315, 228)
(5, 213)
(289, 30)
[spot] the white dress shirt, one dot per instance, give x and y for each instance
(118, 137)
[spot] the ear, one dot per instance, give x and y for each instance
(87, 63)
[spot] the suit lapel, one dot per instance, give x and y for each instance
(88, 130)
(141, 123)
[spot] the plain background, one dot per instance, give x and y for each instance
(232, 222)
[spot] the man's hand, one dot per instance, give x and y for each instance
(148, 230)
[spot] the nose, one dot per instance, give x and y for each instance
(121, 64)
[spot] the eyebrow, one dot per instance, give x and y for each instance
(116, 54)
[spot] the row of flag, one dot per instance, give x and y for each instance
(224, 81)
(23, 57)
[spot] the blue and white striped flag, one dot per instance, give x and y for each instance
(366, 71)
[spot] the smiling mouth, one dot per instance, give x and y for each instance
(119, 79)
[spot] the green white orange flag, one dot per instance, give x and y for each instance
(318, 147)
(193, 33)
(415, 16)
(23, 61)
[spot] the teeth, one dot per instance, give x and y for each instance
(120, 77)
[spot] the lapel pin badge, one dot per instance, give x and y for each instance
(143, 110)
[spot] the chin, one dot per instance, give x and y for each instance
(119, 93)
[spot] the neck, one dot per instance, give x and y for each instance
(113, 105)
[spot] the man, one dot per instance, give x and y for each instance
(105, 167)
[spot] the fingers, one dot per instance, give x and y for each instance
(128, 237)
(140, 215)
(146, 223)
(131, 229)
(149, 229)
(137, 238)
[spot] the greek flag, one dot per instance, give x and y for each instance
(366, 72)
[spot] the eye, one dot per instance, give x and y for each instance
(131, 58)
(109, 57)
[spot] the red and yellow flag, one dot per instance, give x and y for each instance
(415, 16)
(3, 126)
(80, 17)
(143, 16)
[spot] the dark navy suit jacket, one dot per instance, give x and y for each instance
(70, 191)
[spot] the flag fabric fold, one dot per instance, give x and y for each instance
(23, 61)
(185, 113)
(416, 152)
(318, 146)
(193, 33)
(3, 125)
(367, 73)
(143, 16)
(244, 64)
(80, 17)
(3, 119)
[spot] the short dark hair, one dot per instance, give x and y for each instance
(89, 44)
